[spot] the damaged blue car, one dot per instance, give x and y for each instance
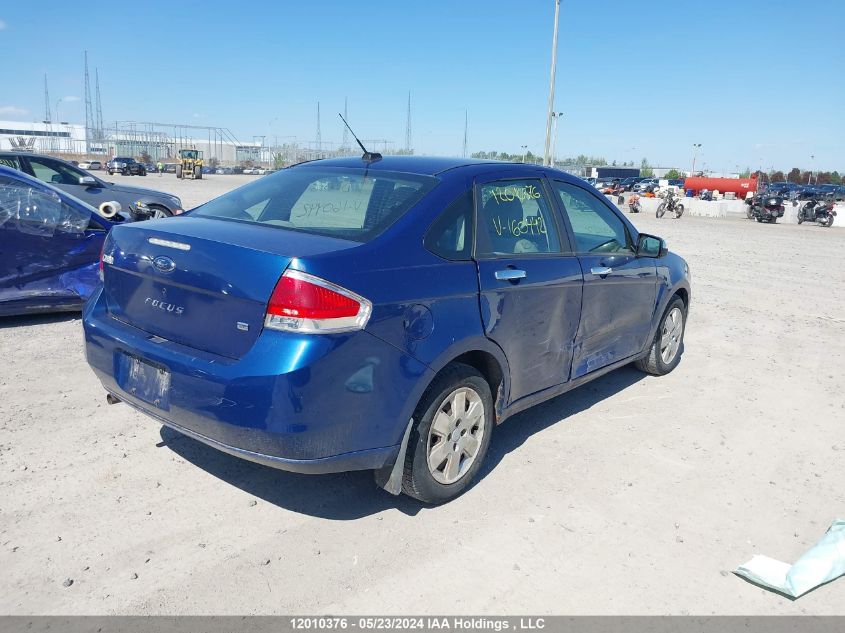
(380, 313)
(50, 245)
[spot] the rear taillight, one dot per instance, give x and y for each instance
(304, 303)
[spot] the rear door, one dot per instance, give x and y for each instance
(529, 280)
(620, 289)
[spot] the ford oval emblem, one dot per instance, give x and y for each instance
(164, 264)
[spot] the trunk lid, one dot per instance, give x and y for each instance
(204, 283)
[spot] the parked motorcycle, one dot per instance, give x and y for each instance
(765, 208)
(819, 211)
(634, 204)
(672, 204)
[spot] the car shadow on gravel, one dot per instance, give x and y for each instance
(348, 496)
(38, 319)
(516, 430)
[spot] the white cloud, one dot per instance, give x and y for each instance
(2, 25)
(70, 98)
(12, 110)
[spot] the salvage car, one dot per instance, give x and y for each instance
(380, 313)
(135, 203)
(50, 245)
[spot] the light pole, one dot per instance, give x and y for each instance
(556, 116)
(695, 147)
(551, 87)
(524, 148)
(812, 160)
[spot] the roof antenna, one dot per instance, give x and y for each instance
(368, 157)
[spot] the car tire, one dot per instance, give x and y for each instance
(160, 212)
(657, 362)
(439, 434)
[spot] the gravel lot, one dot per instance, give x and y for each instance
(633, 494)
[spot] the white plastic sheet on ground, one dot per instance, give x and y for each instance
(820, 564)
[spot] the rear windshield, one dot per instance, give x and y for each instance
(352, 204)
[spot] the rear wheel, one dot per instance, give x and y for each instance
(800, 216)
(450, 437)
(661, 209)
(198, 173)
(665, 352)
(178, 171)
(829, 222)
(749, 213)
(679, 211)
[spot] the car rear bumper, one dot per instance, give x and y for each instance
(296, 402)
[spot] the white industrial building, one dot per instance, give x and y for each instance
(69, 139)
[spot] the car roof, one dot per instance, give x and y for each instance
(423, 165)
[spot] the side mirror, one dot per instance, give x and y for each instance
(651, 246)
(88, 181)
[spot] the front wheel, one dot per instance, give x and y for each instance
(829, 222)
(665, 352)
(749, 213)
(679, 211)
(661, 209)
(450, 437)
(801, 216)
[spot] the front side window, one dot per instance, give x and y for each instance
(515, 218)
(596, 228)
(36, 212)
(54, 172)
(353, 204)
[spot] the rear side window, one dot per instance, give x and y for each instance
(450, 237)
(353, 204)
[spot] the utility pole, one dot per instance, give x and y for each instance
(319, 138)
(89, 110)
(524, 149)
(47, 116)
(810, 177)
(466, 121)
(99, 112)
(551, 87)
(695, 147)
(345, 143)
(556, 116)
(408, 127)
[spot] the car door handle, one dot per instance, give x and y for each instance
(601, 271)
(510, 274)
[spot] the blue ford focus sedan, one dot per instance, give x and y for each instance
(381, 314)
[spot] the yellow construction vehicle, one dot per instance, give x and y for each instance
(190, 164)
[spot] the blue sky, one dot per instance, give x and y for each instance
(758, 83)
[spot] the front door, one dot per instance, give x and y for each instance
(620, 289)
(530, 282)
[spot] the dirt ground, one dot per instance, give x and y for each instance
(631, 495)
